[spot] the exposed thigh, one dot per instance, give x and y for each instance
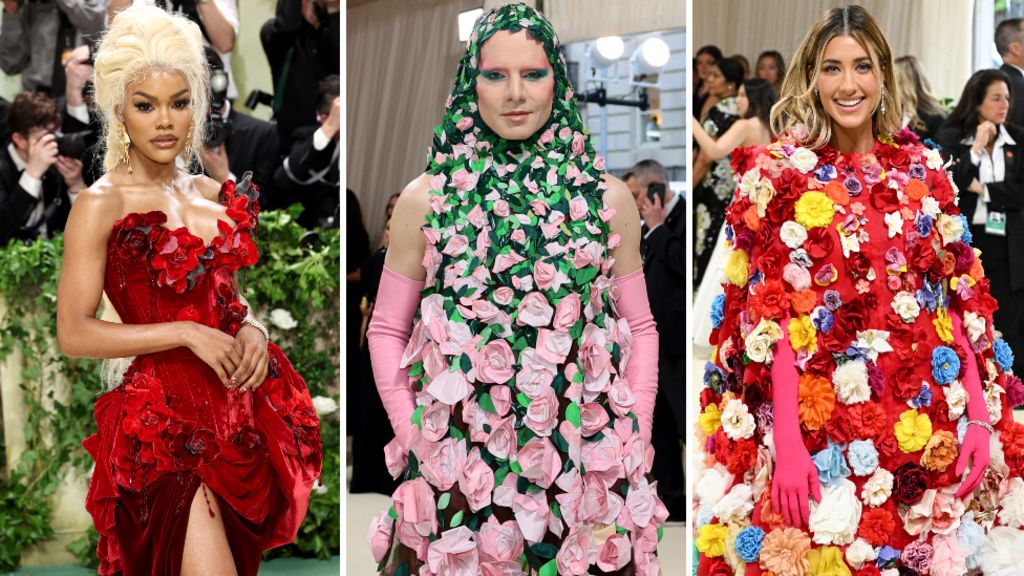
(206, 543)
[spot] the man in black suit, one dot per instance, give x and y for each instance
(1010, 44)
(664, 253)
(37, 185)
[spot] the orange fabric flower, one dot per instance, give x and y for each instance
(769, 300)
(803, 301)
(837, 192)
(751, 219)
(916, 189)
(817, 401)
(940, 451)
(784, 552)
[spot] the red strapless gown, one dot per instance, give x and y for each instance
(171, 425)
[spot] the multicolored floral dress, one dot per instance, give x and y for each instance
(713, 193)
(867, 255)
(172, 426)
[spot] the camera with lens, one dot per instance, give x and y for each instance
(74, 144)
(217, 126)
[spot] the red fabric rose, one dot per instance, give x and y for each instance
(742, 456)
(716, 566)
(820, 243)
(177, 254)
(1012, 437)
(922, 256)
(769, 300)
(876, 526)
(868, 570)
(909, 483)
(145, 408)
(857, 265)
(136, 232)
(838, 426)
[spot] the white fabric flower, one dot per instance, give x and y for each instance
(975, 325)
(956, 399)
(792, 234)
(851, 382)
(282, 319)
(835, 519)
(905, 305)
(1011, 511)
(737, 421)
(1000, 555)
(873, 342)
(324, 405)
(736, 505)
(712, 484)
(760, 340)
(894, 220)
(930, 206)
(803, 160)
(877, 488)
(860, 552)
(933, 159)
(950, 228)
(994, 403)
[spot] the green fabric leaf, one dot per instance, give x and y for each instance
(393, 513)
(456, 519)
(549, 569)
(417, 417)
(487, 404)
(444, 500)
(572, 414)
(544, 550)
(515, 467)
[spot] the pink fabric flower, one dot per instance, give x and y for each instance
(454, 554)
(643, 505)
(949, 557)
(567, 312)
(621, 398)
(450, 387)
(441, 462)
(599, 163)
(476, 480)
(497, 362)
(547, 136)
(434, 362)
(539, 461)
(534, 310)
(463, 180)
(596, 503)
(476, 217)
(379, 535)
(553, 346)
(464, 124)
(507, 568)
(542, 414)
(593, 418)
(499, 542)
(417, 514)
(615, 553)
(604, 455)
(501, 397)
(501, 208)
(477, 419)
(531, 511)
(503, 295)
(485, 311)
(536, 374)
(518, 236)
(431, 260)
(539, 207)
(503, 262)
(543, 274)
(573, 558)
(578, 208)
(502, 440)
(436, 420)
(578, 143)
(395, 458)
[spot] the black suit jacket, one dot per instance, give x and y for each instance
(253, 145)
(310, 177)
(1017, 81)
(16, 204)
(1006, 196)
(665, 270)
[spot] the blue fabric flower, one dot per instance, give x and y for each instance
(718, 311)
(748, 543)
(832, 300)
(853, 186)
(916, 171)
(714, 377)
(863, 457)
(822, 319)
(886, 556)
(825, 174)
(923, 224)
(831, 464)
(966, 237)
(923, 398)
(945, 365)
(972, 538)
(1003, 354)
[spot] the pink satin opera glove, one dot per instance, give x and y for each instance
(975, 447)
(795, 476)
(397, 300)
(642, 371)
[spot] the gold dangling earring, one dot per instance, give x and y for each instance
(188, 147)
(125, 144)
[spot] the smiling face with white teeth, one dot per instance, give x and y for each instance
(850, 90)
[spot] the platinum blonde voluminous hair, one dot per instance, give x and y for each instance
(799, 103)
(139, 39)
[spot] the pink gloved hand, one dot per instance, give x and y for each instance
(975, 447)
(795, 472)
(642, 371)
(388, 335)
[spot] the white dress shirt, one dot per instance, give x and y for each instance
(991, 168)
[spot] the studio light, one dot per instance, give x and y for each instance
(605, 51)
(466, 21)
(650, 57)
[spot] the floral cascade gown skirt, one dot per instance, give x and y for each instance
(172, 427)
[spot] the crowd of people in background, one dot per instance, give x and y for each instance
(50, 130)
(980, 135)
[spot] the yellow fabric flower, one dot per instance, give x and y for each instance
(814, 210)
(827, 561)
(711, 539)
(737, 268)
(943, 325)
(802, 335)
(710, 419)
(913, 431)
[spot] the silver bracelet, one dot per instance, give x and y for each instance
(255, 324)
(984, 425)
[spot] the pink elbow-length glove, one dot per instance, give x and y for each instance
(796, 476)
(388, 335)
(642, 371)
(976, 440)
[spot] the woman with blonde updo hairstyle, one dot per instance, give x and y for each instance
(207, 446)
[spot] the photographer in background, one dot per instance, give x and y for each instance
(309, 174)
(236, 142)
(664, 253)
(80, 129)
(36, 38)
(37, 184)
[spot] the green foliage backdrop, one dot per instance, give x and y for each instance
(296, 283)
